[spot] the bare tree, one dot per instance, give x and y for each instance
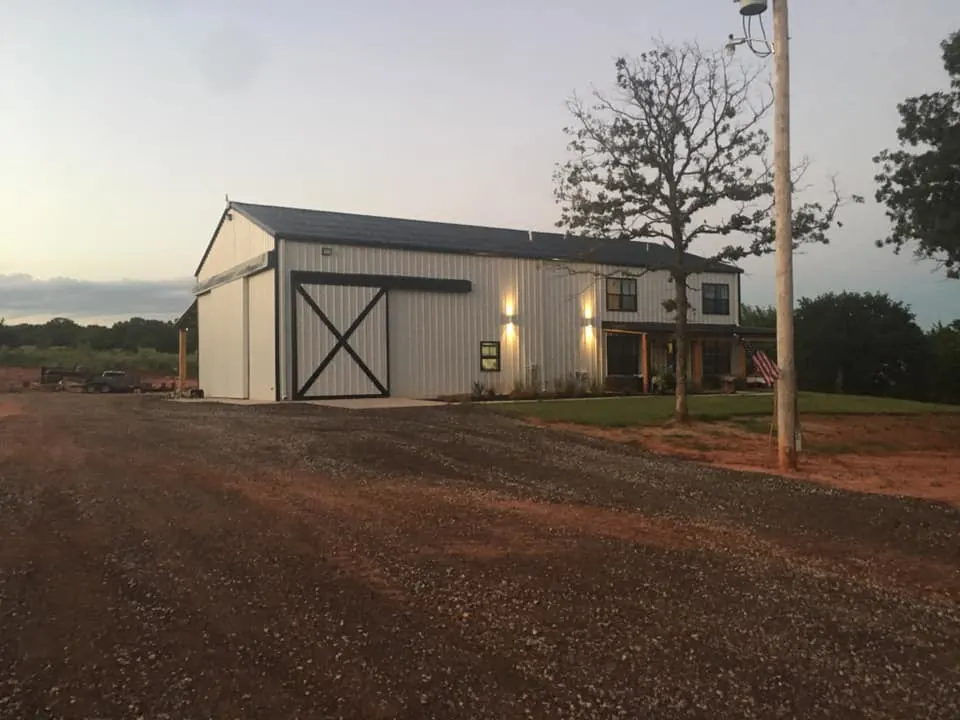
(676, 152)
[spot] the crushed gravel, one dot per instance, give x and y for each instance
(167, 560)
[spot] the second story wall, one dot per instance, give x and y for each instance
(629, 295)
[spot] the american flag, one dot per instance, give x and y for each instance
(762, 362)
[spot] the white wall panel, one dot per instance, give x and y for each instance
(261, 343)
(222, 341)
(236, 241)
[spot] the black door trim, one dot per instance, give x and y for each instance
(342, 343)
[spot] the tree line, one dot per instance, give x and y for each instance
(869, 344)
(130, 335)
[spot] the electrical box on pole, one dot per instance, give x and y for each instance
(753, 7)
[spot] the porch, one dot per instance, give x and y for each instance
(641, 357)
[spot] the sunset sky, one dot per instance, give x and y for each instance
(123, 125)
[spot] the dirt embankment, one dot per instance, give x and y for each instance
(916, 456)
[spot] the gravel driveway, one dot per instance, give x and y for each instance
(168, 560)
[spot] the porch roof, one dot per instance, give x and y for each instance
(188, 321)
(699, 329)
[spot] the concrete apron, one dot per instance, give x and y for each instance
(380, 403)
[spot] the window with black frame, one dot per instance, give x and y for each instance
(716, 358)
(622, 294)
(716, 299)
(490, 356)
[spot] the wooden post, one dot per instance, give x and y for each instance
(697, 369)
(773, 420)
(645, 363)
(742, 354)
(182, 360)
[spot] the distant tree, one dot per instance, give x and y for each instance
(758, 316)
(61, 332)
(860, 343)
(920, 182)
(944, 376)
(676, 153)
(130, 335)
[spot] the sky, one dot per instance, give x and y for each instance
(123, 126)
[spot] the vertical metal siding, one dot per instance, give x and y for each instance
(222, 345)
(434, 339)
(261, 345)
(237, 240)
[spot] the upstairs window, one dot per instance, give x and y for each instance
(622, 294)
(716, 299)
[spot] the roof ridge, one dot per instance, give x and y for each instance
(312, 225)
(394, 218)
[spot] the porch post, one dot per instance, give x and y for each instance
(742, 362)
(645, 363)
(181, 360)
(697, 362)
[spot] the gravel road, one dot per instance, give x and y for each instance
(174, 560)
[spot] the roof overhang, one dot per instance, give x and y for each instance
(188, 321)
(697, 329)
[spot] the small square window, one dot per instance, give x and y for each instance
(490, 356)
(716, 299)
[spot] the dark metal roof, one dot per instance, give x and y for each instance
(188, 321)
(370, 231)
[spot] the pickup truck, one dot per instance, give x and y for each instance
(116, 381)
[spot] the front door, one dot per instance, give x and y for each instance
(623, 354)
(340, 341)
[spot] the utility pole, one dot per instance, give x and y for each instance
(783, 206)
(779, 47)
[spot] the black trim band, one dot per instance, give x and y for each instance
(387, 282)
(264, 261)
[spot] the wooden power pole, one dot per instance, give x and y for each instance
(783, 206)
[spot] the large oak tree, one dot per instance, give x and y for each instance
(677, 152)
(920, 182)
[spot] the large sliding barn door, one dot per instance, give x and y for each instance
(340, 341)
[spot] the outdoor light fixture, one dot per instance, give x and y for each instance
(509, 312)
(762, 46)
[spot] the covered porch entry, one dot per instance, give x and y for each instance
(641, 357)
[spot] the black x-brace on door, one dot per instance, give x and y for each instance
(341, 345)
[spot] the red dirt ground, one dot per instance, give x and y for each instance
(14, 379)
(916, 456)
(161, 559)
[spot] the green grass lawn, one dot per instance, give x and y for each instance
(656, 409)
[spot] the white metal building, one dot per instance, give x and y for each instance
(298, 304)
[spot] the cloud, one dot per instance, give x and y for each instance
(24, 298)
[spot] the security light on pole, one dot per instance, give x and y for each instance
(778, 46)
